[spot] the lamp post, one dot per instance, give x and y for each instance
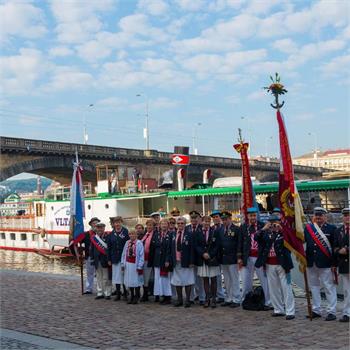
(86, 136)
(194, 137)
(146, 130)
(312, 133)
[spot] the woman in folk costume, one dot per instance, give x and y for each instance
(132, 265)
(147, 271)
(116, 241)
(206, 245)
(182, 258)
(159, 253)
(140, 231)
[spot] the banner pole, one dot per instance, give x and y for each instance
(307, 291)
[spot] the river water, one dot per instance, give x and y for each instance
(26, 261)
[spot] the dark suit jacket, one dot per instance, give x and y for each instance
(211, 247)
(186, 247)
(159, 250)
(115, 244)
(228, 244)
(266, 240)
(341, 240)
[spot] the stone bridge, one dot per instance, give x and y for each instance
(54, 160)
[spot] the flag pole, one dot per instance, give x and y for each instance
(278, 89)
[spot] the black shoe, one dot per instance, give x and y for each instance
(114, 293)
(108, 298)
(220, 300)
(267, 308)
(99, 297)
(178, 303)
(226, 303)
(206, 303)
(134, 301)
(330, 317)
(117, 297)
(166, 301)
(314, 315)
(233, 305)
(290, 317)
(201, 303)
(277, 315)
(213, 303)
(187, 304)
(345, 318)
(156, 299)
(87, 292)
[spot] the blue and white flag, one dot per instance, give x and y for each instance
(77, 208)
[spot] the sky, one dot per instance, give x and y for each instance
(201, 66)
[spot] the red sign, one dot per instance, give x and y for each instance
(180, 159)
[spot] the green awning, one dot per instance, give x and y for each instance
(264, 188)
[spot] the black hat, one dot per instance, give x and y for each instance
(320, 211)
(194, 213)
(225, 214)
(94, 219)
(273, 218)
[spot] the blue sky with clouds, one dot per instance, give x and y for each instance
(198, 61)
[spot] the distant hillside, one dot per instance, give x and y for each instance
(20, 186)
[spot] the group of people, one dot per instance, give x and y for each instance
(169, 258)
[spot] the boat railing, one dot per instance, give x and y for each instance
(17, 222)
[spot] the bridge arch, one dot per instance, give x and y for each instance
(55, 168)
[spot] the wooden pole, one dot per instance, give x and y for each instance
(81, 262)
(307, 291)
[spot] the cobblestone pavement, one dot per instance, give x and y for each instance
(14, 344)
(49, 306)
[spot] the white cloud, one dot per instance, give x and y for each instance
(60, 51)
(191, 5)
(114, 103)
(222, 5)
(68, 78)
(257, 95)
(93, 51)
(336, 67)
(153, 7)
(163, 103)
(21, 19)
(156, 65)
(259, 7)
(76, 22)
(20, 73)
(285, 45)
(29, 120)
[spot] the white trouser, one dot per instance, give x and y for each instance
(322, 276)
(90, 274)
(281, 293)
(346, 288)
(198, 288)
(231, 278)
(220, 292)
(104, 284)
(247, 279)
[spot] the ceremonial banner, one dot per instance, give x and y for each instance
(248, 195)
(77, 212)
(290, 203)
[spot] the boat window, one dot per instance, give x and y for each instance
(39, 209)
(23, 236)
(89, 206)
(12, 236)
(35, 238)
(3, 235)
(106, 206)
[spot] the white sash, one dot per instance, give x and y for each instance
(101, 241)
(324, 237)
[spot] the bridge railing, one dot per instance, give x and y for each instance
(58, 148)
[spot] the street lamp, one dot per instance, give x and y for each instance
(146, 130)
(86, 136)
(312, 133)
(194, 136)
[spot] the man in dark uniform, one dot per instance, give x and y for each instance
(98, 253)
(195, 228)
(277, 261)
(90, 269)
(228, 246)
(248, 253)
(115, 242)
(319, 238)
(341, 252)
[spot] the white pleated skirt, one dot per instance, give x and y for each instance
(117, 274)
(131, 278)
(182, 276)
(162, 286)
(208, 271)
